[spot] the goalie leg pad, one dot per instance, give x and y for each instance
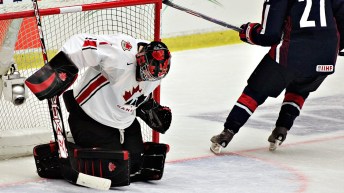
(53, 78)
(153, 162)
(46, 160)
(113, 165)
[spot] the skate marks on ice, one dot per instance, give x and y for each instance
(235, 173)
(227, 173)
(318, 116)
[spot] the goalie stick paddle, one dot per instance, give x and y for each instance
(197, 14)
(69, 173)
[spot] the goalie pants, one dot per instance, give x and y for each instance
(269, 79)
(89, 133)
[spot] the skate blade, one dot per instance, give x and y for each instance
(273, 146)
(215, 148)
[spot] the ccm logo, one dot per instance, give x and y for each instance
(325, 68)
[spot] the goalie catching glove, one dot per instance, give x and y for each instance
(155, 116)
(53, 78)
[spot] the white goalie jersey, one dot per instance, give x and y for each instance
(108, 91)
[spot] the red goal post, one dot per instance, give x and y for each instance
(29, 124)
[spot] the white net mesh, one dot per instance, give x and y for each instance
(33, 115)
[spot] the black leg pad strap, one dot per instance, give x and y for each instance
(46, 159)
(153, 162)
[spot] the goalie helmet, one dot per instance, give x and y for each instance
(153, 62)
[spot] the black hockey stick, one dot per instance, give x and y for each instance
(197, 14)
(69, 173)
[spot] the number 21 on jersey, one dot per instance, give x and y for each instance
(304, 22)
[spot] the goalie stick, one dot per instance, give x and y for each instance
(197, 14)
(69, 173)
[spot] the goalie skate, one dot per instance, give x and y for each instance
(277, 137)
(221, 140)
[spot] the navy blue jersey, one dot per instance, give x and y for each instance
(338, 9)
(304, 35)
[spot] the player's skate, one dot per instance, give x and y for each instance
(277, 137)
(221, 140)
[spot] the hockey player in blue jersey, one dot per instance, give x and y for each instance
(305, 37)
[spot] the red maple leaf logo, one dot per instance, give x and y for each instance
(63, 76)
(111, 167)
(158, 54)
(126, 45)
(128, 94)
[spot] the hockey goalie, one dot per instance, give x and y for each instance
(116, 88)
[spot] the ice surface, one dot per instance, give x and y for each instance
(201, 88)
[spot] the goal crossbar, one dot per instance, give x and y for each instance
(79, 8)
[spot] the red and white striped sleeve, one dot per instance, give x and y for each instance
(82, 50)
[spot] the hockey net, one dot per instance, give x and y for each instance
(29, 124)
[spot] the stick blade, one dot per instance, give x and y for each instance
(85, 180)
(93, 182)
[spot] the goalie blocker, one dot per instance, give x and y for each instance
(53, 78)
(113, 165)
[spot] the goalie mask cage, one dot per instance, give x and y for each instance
(24, 126)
